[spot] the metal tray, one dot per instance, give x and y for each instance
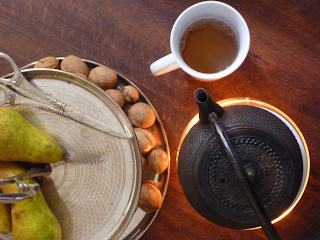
(140, 220)
(94, 191)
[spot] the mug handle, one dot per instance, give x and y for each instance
(163, 65)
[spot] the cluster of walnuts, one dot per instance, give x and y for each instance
(140, 114)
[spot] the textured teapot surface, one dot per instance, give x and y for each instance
(269, 153)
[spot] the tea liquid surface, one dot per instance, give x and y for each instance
(209, 46)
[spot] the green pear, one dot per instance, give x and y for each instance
(32, 219)
(5, 218)
(21, 141)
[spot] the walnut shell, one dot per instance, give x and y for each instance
(141, 115)
(145, 139)
(48, 62)
(103, 77)
(150, 198)
(158, 185)
(143, 160)
(116, 95)
(158, 160)
(75, 65)
(130, 94)
(81, 75)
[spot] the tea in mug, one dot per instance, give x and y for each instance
(209, 46)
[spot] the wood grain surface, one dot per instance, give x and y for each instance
(282, 69)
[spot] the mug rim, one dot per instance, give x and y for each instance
(242, 54)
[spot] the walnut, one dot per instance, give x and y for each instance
(116, 95)
(158, 185)
(145, 139)
(131, 94)
(75, 65)
(48, 62)
(158, 160)
(81, 75)
(143, 160)
(141, 115)
(150, 198)
(103, 77)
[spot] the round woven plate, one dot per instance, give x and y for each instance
(94, 191)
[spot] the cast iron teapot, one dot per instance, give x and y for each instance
(240, 166)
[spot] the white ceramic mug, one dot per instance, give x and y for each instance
(208, 9)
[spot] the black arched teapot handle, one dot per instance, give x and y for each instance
(243, 178)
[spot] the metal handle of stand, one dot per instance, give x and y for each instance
(243, 178)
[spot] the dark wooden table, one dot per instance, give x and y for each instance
(282, 69)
